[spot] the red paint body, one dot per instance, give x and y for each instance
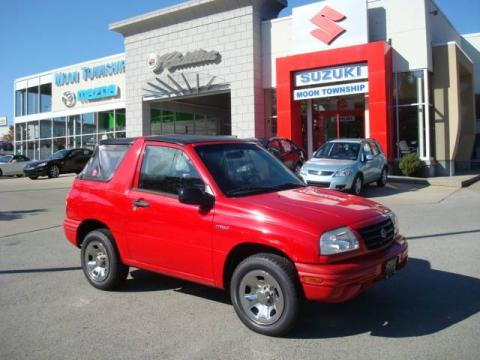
(378, 56)
(176, 239)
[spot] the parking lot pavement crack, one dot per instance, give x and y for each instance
(29, 232)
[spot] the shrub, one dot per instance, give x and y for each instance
(410, 164)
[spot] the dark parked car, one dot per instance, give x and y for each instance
(292, 155)
(60, 162)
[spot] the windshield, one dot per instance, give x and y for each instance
(246, 169)
(58, 155)
(5, 159)
(338, 150)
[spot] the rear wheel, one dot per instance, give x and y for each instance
(101, 262)
(54, 171)
(382, 181)
(265, 294)
(357, 185)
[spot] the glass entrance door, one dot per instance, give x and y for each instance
(335, 118)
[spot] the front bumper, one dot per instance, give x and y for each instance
(342, 281)
(329, 182)
(39, 171)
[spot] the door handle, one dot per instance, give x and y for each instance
(141, 203)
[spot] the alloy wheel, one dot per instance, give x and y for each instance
(261, 297)
(97, 261)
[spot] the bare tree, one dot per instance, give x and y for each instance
(9, 136)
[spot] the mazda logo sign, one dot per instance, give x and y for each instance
(69, 99)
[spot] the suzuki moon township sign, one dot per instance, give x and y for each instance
(329, 24)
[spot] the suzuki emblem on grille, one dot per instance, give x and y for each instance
(383, 233)
(326, 21)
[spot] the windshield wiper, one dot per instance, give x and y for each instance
(250, 190)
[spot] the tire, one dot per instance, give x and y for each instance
(18, 175)
(33, 177)
(101, 262)
(54, 171)
(357, 185)
(383, 178)
(279, 300)
(1, 173)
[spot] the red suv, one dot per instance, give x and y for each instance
(227, 213)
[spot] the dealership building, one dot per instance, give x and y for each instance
(393, 70)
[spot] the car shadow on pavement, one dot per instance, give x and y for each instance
(142, 280)
(18, 214)
(373, 191)
(417, 301)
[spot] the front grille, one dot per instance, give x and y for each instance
(319, 184)
(319, 172)
(372, 234)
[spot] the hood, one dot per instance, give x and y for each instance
(37, 162)
(328, 164)
(321, 208)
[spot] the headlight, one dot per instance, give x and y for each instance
(394, 219)
(338, 241)
(344, 172)
(41, 164)
(303, 171)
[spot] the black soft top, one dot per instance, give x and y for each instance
(173, 139)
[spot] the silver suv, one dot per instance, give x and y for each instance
(346, 164)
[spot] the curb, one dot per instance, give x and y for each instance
(454, 181)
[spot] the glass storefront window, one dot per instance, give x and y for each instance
(74, 142)
(45, 97)
(21, 102)
(408, 129)
(106, 121)
(89, 125)
(74, 124)
(45, 129)
(410, 87)
(33, 130)
(45, 148)
(59, 144)
(121, 134)
(32, 148)
(33, 100)
(120, 119)
(20, 132)
(89, 141)
(59, 127)
(184, 123)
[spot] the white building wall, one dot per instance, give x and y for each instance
(471, 46)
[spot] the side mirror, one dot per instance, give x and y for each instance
(195, 196)
(369, 157)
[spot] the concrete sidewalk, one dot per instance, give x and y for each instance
(457, 181)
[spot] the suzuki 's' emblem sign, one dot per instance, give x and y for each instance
(326, 21)
(329, 24)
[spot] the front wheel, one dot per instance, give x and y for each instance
(265, 294)
(357, 185)
(382, 181)
(54, 171)
(101, 262)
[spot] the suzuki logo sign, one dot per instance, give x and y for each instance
(336, 23)
(326, 20)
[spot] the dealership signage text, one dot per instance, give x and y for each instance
(331, 75)
(333, 90)
(90, 73)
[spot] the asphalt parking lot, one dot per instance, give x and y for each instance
(430, 310)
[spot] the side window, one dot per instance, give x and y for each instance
(374, 149)
(166, 170)
(367, 150)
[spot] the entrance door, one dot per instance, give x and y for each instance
(335, 118)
